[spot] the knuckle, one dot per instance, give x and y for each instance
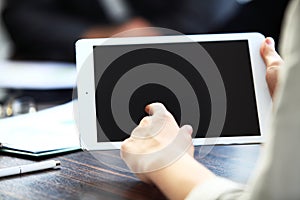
(273, 69)
(166, 115)
(145, 121)
(275, 64)
(125, 145)
(272, 73)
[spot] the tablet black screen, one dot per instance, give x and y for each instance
(232, 60)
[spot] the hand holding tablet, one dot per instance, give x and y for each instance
(216, 83)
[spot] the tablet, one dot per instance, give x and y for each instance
(214, 82)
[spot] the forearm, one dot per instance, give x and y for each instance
(177, 180)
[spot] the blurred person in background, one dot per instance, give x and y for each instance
(48, 29)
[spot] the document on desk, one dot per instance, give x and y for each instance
(45, 132)
(37, 75)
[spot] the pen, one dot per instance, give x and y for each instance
(29, 168)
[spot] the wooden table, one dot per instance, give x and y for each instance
(83, 177)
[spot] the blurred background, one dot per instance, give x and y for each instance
(37, 37)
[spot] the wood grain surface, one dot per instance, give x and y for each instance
(103, 175)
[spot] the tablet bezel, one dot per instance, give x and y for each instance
(87, 122)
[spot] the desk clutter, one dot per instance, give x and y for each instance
(25, 89)
(41, 133)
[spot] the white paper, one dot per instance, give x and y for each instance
(37, 75)
(46, 130)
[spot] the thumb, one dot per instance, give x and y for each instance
(269, 54)
(273, 62)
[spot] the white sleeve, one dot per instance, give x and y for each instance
(217, 188)
(278, 174)
(279, 177)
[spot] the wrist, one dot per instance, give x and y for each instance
(186, 171)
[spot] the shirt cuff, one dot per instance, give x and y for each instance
(217, 188)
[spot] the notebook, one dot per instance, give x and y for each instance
(46, 132)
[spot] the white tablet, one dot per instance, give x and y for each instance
(214, 82)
